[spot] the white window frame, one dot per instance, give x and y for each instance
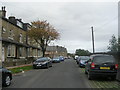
(9, 52)
(13, 50)
(21, 38)
(11, 34)
(3, 30)
(22, 48)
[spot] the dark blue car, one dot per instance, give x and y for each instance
(62, 58)
(82, 60)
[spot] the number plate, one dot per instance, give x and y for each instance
(104, 67)
(38, 65)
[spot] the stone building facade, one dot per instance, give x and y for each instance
(55, 51)
(16, 47)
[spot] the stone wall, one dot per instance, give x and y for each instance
(17, 62)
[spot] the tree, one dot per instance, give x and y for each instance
(82, 52)
(113, 44)
(43, 33)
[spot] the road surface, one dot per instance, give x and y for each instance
(65, 74)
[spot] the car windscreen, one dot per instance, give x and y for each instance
(84, 58)
(42, 59)
(56, 58)
(104, 59)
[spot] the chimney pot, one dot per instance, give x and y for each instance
(2, 8)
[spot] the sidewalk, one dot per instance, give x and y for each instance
(19, 66)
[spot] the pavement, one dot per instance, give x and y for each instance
(19, 66)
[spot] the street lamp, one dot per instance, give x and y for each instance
(93, 40)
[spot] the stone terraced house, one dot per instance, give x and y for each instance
(16, 47)
(55, 51)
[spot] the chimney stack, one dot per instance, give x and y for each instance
(3, 12)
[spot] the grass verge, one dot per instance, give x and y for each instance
(20, 69)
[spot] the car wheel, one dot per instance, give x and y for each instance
(47, 66)
(113, 77)
(89, 76)
(85, 72)
(51, 65)
(34, 67)
(79, 66)
(7, 80)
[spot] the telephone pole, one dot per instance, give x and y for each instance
(93, 40)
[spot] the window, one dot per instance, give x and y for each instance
(34, 52)
(3, 30)
(28, 40)
(104, 59)
(38, 52)
(11, 51)
(31, 52)
(19, 24)
(24, 39)
(11, 34)
(28, 52)
(21, 37)
(20, 52)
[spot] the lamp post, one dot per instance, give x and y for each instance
(93, 40)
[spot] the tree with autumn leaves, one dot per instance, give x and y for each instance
(43, 33)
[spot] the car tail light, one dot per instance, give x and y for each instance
(116, 66)
(92, 65)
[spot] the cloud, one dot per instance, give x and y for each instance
(73, 20)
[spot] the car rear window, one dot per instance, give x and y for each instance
(104, 59)
(84, 58)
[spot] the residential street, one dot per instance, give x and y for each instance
(62, 75)
(65, 74)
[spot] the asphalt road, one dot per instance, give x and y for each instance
(65, 74)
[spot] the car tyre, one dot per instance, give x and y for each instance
(89, 76)
(47, 66)
(34, 67)
(86, 72)
(7, 81)
(113, 78)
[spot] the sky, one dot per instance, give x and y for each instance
(72, 19)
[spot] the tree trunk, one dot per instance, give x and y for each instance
(43, 51)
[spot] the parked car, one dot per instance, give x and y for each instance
(62, 58)
(43, 62)
(78, 59)
(6, 76)
(82, 61)
(56, 60)
(101, 65)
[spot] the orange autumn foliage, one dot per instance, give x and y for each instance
(43, 33)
